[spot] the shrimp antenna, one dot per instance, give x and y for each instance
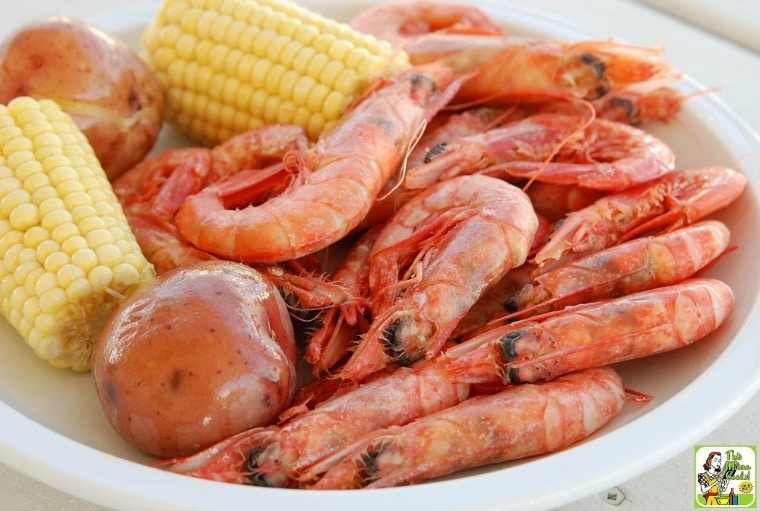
(404, 164)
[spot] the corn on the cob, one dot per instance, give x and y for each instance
(69, 255)
(231, 65)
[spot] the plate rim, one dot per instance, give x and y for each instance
(29, 458)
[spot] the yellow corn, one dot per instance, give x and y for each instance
(69, 255)
(228, 66)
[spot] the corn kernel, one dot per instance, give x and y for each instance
(52, 300)
(24, 216)
(100, 277)
(85, 258)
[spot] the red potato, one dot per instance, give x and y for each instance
(111, 94)
(197, 355)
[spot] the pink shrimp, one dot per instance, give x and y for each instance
(553, 148)
(435, 258)
(280, 454)
(668, 202)
(514, 68)
(341, 175)
(640, 107)
(518, 422)
(399, 22)
(152, 191)
(636, 265)
(594, 334)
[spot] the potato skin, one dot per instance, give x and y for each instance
(199, 354)
(111, 94)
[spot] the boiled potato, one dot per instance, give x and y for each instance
(199, 354)
(111, 94)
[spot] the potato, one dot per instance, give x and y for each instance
(199, 354)
(111, 94)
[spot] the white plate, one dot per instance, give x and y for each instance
(53, 429)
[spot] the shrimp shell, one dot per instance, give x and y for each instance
(341, 176)
(457, 238)
(594, 334)
(518, 422)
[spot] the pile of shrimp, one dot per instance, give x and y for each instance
(466, 252)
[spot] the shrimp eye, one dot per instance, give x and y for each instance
(507, 343)
(627, 105)
(395, 346)
(595, 63)
(437, 149)
(369, 462)
(511, 305)
(418, 81)
(513, 376)
(255, 477)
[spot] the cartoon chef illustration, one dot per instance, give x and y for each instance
(712, 481)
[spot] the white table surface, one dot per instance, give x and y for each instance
(712, 57)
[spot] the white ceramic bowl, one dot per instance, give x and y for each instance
(53, 429)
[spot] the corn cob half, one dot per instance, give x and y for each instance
(228, 66)
(69, 255)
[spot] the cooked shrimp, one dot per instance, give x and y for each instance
(432, 262)
(152, 191)
(341, 175)
(594, 334)
(518, 422)
(553, 148)
(640, 107)
(279, 455)
(398, 22)
(513, 68)
(668, 202)
(636, 265)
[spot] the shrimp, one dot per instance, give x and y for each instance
(518, 422)
(516, 68)
(636, 265)
(152, 191)
(640, 107)
(278, 455)
(668, 202)
(430, 264)
(553, 148)
(342, 324)
(341, 175)
(399, 22)
(594, 334)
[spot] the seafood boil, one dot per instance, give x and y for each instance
(456, 261)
